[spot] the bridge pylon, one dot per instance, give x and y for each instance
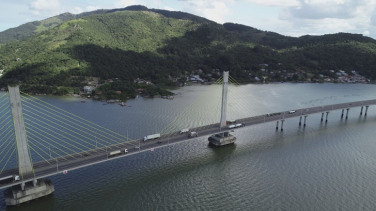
(223, 138)
(37, 188)
(224, 99)
(24, 162)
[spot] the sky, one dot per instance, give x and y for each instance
(287, 17)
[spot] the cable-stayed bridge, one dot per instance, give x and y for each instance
(57, 140)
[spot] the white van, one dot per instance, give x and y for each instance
(291, 112)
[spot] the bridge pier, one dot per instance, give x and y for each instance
(342, 113)
(365, 114)
(327, 113)
(305, 119)
(322, 116)
(347, 113)
(361, 111)
(300, 121)
(282, 121)
(28, 191)
(277, 125)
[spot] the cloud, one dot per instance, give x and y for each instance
(92, 8)
(319, 9)
(324, 16)
(45, 5)
(169, 8)
(76, 10)
(280, 3)
(215, 10)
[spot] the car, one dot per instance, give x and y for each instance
(159, 142)
(86, 154)
(291, 112)
(137, 147)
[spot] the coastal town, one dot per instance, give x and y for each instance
(263, 75)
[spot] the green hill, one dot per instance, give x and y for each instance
(157, 45)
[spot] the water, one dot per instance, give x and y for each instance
(320, 167)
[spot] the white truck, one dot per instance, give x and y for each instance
(184, 131)
(150, 137)
(235, 126)
(117, 152)
(239, 125)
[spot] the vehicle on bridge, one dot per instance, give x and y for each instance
(184, 131)
(291, 112)
(150, 137)
(9, 179)
(235, 126)
(117, 152)
(193, 134)
(231, 121)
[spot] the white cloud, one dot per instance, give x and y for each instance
(281, 3)
(169, 8)
(216, 10)
(324, 16)
(76, 10)
(92, 8)
(45, 5)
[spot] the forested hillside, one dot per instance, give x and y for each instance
(157, 45)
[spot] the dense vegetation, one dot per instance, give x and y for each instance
(136, 42)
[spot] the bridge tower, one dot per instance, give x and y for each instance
(24, 162)
(31, 187)
(223, 138)
(224, 99)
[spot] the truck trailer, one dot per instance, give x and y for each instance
(184, 131)
(117, 152)
(150, 137)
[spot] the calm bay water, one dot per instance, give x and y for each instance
(320, 167)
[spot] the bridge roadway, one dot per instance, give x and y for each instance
(99, 155)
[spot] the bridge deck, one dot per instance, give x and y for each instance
(76, 161)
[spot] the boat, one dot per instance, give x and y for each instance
(122, 104)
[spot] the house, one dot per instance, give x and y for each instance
(196, 78)
(87, 88)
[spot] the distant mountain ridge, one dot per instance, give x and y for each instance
(165, 47)
(31, 28)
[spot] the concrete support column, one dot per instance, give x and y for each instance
(35, 182)
(342, 113)
(347, 113)
(23, 186)
(305, 119)
(361, 111)
(300, 121)
(282, 121)
(277, 125)
(365, 114)
(327, 113)
(24, 163)
(322, 116)
(224, 99)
